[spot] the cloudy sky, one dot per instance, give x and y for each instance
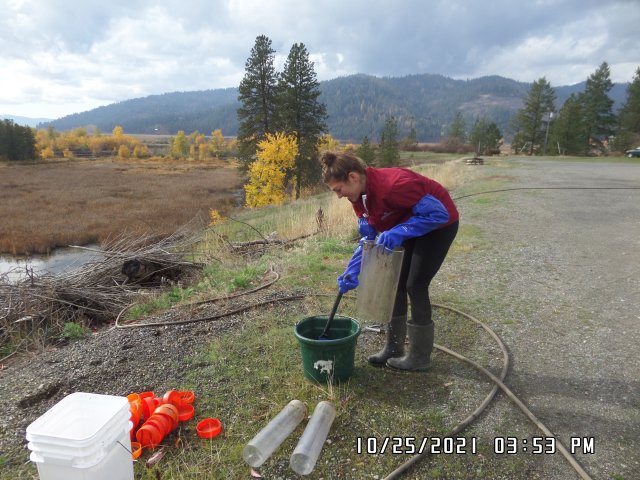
(64, 56)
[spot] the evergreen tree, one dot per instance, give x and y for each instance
(457, 129)
(365, 151)
(411, 140)
(301, 114)
(257, 94)
(16, 142)
(566, 131)
(598, 119)
(485, 136)
(628, 135)
(529, 124)
(389, 148)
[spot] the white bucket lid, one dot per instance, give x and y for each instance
(80, 419)
(80, 459)
(104, 437)
(61, 450)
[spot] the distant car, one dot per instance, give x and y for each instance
(635, 152)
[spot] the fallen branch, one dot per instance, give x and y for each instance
(95, 292)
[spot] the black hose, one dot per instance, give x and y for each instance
(498, 383)
(543, 188)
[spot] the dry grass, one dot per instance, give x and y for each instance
(299, 218)
(450, 174)
(45, 206)
(339, 213)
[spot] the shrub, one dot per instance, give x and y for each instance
(73, 331)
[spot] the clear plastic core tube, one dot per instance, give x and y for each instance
(307, 451)
(273, 434)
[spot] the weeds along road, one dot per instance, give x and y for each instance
(558, 278)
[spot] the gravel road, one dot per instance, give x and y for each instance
(560, 283)
(557, 277)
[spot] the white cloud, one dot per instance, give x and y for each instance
(60, 57)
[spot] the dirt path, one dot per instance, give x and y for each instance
(560, 283)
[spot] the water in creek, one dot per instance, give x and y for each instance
(60, 260)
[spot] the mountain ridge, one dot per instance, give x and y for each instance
(357, 105)
(25, 121)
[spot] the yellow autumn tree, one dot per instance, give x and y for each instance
(123, 152)
(202, 151)
(216, 145)
(276, 156)
(141, 151)
(328, 143)
(179, 145)
(47, 153)
(118, 131)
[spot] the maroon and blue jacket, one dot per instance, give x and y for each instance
(392, 193)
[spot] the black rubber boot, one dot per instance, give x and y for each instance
(396, 333)
(420, 346)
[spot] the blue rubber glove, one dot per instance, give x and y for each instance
(428, 214)
(367, 231)
(349, 279)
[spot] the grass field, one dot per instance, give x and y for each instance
(53, 204)
(44, 206)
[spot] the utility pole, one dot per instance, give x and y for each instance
(546, 136)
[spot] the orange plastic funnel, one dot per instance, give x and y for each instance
(209, 428)
(187, 396)
(185, 412)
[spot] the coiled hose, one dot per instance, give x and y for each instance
(498, 384)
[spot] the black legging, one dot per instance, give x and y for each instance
(422, 259)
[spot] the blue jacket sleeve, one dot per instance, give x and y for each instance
(428, 214)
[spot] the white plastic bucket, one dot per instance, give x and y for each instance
(85, 436)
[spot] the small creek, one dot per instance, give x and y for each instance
(60, 260)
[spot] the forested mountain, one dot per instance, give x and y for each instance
(25, 121)
(357, 105)
(204, 111)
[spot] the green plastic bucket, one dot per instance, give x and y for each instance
(327, 360)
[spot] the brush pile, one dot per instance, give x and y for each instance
(34, 309)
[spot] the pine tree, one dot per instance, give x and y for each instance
(628, 135)
(389, 148)
(598, 119)
(457, 128)
(366, 152)
(301, 114)
(16, 142)
(485, 136)
(257, 94)
(566, 130)
(529, 124)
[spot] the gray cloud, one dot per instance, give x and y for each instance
(61, 57)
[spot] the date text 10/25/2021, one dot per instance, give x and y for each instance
(463, 445)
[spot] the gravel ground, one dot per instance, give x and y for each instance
(113, 361)
(559, 282)
(556, 277)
